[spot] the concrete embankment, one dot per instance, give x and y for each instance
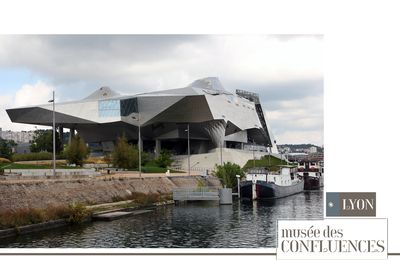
(50, 193)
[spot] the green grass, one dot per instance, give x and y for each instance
(270, 162)
(152, 167)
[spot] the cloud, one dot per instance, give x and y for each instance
(26, 95)
(284, 69)
(38, 93)
(145, 61)
(300, 119)
(5, 102)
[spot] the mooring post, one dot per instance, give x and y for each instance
(254, 190)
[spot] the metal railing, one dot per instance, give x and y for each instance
(201, 193)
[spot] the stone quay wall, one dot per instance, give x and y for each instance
(50, 193)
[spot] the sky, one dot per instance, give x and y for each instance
(286, 71)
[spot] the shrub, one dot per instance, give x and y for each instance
(164, 159)
(77, 213)
(125, 155)
(6, 148)
(227, 174)
(77, 151)
(145, 158)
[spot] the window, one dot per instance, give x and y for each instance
(109, 108)
(129, 106)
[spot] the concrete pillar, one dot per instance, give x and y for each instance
(158, 147)
(216, 131)
(61, 135)
(71, 134)
(254, 189)
(225, 196)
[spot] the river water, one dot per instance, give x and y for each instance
(192, 225)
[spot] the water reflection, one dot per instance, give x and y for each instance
(193, 225)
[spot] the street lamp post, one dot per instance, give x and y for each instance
(222, 145)
(269, 157)
(188, 137)
(54, 134)
(140, 151)
(254, 154)
(139, 146)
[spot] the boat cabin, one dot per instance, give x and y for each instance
(257, 174)
(284, 177)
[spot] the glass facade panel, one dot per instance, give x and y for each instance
(109, 108)
(129, 106)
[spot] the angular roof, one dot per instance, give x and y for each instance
(102, 93)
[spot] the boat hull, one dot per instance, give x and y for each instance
(246, 189)
(312, 183)
(267, 190)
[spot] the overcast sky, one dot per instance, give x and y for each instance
(287, 72)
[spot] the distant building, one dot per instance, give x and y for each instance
(18, 137)
(22, 148)
(312, 149)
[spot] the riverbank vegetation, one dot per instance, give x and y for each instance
(227, 172)
(77, 212)
(73, 213)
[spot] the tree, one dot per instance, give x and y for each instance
(77, 151)
(124, 155)
(43, 141)
(164, 159)
(6, 148)
(227, 174)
